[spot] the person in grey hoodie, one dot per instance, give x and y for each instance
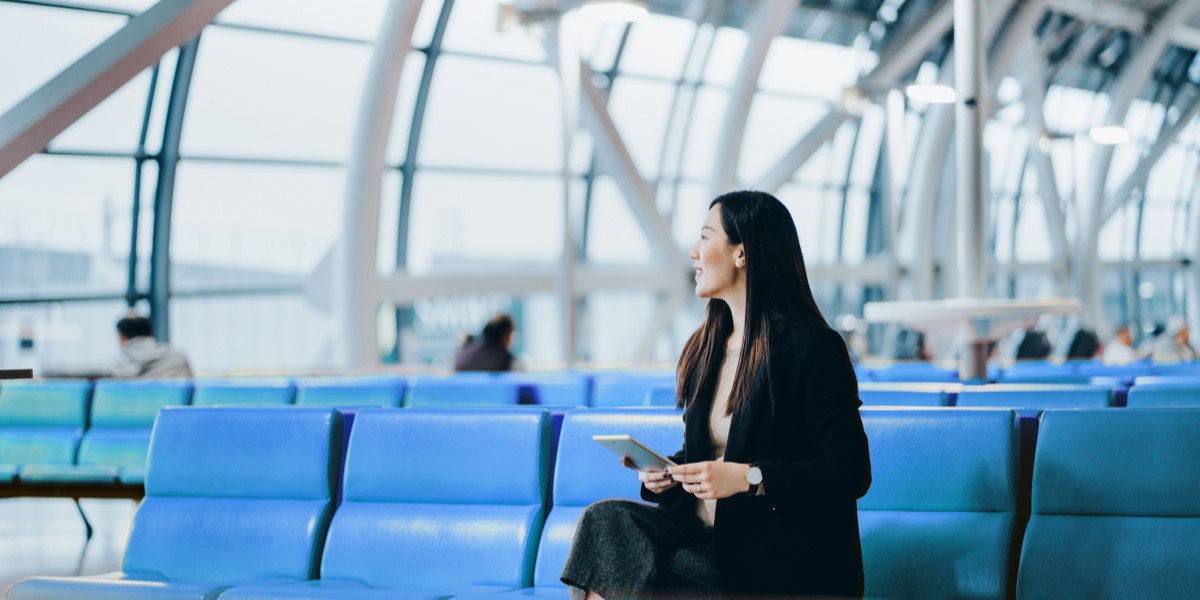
(143, 356)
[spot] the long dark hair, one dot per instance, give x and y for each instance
(777, 290)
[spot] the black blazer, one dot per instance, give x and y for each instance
(803, 429)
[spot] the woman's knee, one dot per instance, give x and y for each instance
(609, 509)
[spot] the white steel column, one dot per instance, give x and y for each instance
(767, 21)
(28, 127)
(1124, 90)
(563, 50)
(356, 287)
(968, 72)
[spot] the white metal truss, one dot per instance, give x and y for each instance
(1119, 16)
(1033, 87)
(28, 127)
(1166, 138)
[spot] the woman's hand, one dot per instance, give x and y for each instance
(712, 480)
(655, 481)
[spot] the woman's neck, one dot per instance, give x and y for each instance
(737, 310)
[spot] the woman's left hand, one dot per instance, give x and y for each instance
(712, 480)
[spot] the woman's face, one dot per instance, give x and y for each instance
(719, 266)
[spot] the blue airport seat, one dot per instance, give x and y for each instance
(383, 392)
(626, 389)
(41, 423)
(233, 496)
(662, 396)
(939, 519)
(906, 394)
(1169, 379)
(436, 502)
(566, 390)
(1035, 396)
(915, 372)
(1181, 369)
(1039, 371)
(1115, 509)
(1165, 395)
(115, 446)
(586, 472)
(244, 392)
(458, 390)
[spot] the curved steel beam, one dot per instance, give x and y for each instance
(1117, 199)
(767, 21)
(356, 294)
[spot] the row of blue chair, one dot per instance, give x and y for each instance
(1028, 371)
(241, 504)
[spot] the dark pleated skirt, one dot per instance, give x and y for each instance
(625, 549)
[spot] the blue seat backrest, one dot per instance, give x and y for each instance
(1036, 396)
(45, 404)
(470, 390)
(904, 394)
(1038, 371)
(244, 392)
(42, 422)
(236, 495)
(134, 403)
(351, 391)
(661, 396)
(552, 389)
(1149, 395)
(938, 520)
(439, 499)
(1115, 510)
(615, 390)
(915, 372)
(586, 472)
(123, 413)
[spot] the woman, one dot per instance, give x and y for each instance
(763, 501)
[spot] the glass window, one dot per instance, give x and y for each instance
(867, 147)
(774, 125)
(61, 220)
(517, 127)
(854, 235)
(1162, 228)
(426, 22)
(808, 207)
(115, 123)
(613, 233)
(66, 337)
(465, 222)
(639, 109)
(251, 332)
(1117, 235)
(36, 43)
(162, 97)
(609, 321)
(389, 220)
(701, 151)
(346, 18)
(725, 60)
(1033, 238)
(657, 46)
(813, 69)
(247, 224)
(270, 95)
(472, 29)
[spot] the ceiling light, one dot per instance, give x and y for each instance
(930, 93)
(1109, 135)
(614, 11)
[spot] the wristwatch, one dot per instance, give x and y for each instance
(754, 478)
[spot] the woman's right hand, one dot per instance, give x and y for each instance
(655, 481)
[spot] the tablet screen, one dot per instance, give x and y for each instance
(643, 457)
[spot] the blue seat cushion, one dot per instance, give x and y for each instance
(8, 472)
(115, 447)
(132, 475)
(68, 474)
(935, 554)
(1165, 395)
(225, 540)
(247, 392)
(39, 445)
(475, 390)
(113, 586)
(351, 590)
(555, 544)
(432, 547)
(1069, 556)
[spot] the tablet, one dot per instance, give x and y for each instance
(643, 457)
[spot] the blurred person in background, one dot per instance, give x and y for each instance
(489, 350)
(1119, 350)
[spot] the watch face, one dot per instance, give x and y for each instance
(754, 476)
